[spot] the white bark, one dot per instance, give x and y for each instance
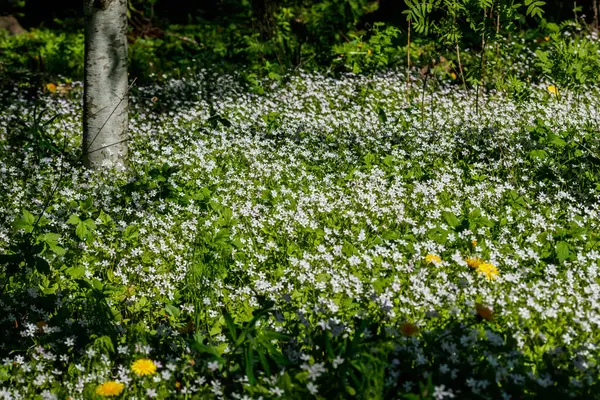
(105, 101)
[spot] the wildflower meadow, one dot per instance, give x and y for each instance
(395, 234)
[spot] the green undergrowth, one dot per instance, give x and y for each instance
(360, 236)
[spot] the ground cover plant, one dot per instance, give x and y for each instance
(323, 237)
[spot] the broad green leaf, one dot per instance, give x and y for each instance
(451, 219)
(250, 365)
(73, 220)
(172, 310)
(25, 222)
(391, 235)
(131, 232)
(81, 230)
(538, 154)
(381, 115)
(562, 251)
(556, 140)
(231, 327)
(91, 225)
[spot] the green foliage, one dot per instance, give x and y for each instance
(311, 237)
(375, 53)
(534, 8)
(43, 51)
(571, 62)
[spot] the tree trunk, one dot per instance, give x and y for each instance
(11, 24)
(264, 15)
(105, 103)
(596, 22)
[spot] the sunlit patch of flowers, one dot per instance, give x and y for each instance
(306, 202)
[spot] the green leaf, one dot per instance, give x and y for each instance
(263, 361)
(562, 251)
(105, 218)
(269, 335)
(76, 272)
(172, 310)
(91, 225)
(49, 289)
(216, 329)
(221, 235)
(59, 251)
(388, 160)
(381, 115)
(438, 234)
(131, 232)
(274, 76)
(538, 154)
(391, 235)
(203, 348)
(25, 222)
(451, 219)
(104, 343)
(556, 140)
(230, 325)
(348, 249)
(250, 365)
(87, 204)
(51, 240)
(81, 230)
(73, 220)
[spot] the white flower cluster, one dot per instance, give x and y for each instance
(334, 192)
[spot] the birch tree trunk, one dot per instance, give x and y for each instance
(105, 103)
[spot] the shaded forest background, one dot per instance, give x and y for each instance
(270, 37)
(34, 13)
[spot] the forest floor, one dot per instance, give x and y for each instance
(329, 237)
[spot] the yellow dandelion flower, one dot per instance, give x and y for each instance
(110, 388)
(143, 366)
(552, 90)
(474, 262)
(433, 259)
(452, 75)
(489, 270)
(51, 87)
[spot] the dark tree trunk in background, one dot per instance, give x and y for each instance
(105, 103)
(264, 15)
(596, 4)
(11, 24)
